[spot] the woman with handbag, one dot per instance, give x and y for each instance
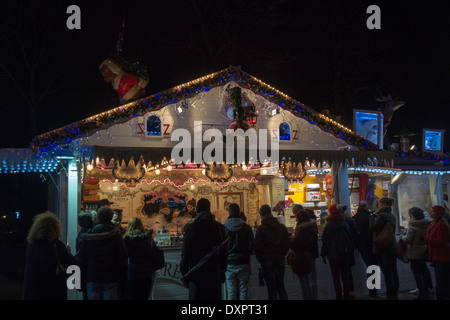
(301, 246)
(415, 251)
(141, 266)
(47, 257)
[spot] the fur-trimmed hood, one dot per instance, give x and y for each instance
(420, 224)
(305, 225)
(101, 231)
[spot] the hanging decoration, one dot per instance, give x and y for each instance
(130, 173)
(292, 171)
(128, 78)
(219, 172)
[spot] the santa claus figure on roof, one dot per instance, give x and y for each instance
(129, 86)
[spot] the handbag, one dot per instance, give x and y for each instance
(402, 256)
(385, 238)
(300, 262)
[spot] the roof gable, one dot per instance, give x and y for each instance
(123, 113)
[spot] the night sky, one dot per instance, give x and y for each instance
(318, 52)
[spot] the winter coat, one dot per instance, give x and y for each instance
(377, 223)
(85, 222)
(315, 240)
(337, 244)
(103, 256)
(302, 244)
(437, 240)
(362, 218)
(415, 248)
(140, 258)
(242, 242)
(40, 281)
(201, 237)
(272, 240)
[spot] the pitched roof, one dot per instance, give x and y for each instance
(123, 113)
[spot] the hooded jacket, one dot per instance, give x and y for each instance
(271, 239)
(415, 248)
(303, 244)
(103, 256)
(139, 249)
(85, 222)
(242, 242)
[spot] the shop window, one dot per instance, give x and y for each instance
(285, 131)
(153, 126)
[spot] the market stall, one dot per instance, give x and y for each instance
(228, 137)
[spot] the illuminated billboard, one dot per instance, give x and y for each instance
(369, 125)
(433, 140)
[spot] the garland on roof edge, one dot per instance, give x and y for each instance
(87, 127)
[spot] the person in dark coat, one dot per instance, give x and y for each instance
(272, 244)
(437, 239)
(386, 257)
(202, 236)
(239, 248)
(337, 247)
(302, 245)
(103, 258)
(314, 251)
(44, 250)
(141, 270)
(365, 246)
(86, 221)
(355, 234)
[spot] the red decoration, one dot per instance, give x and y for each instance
(129, 86)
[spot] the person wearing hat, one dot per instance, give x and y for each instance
(104, 203)
(337, 247)
(437, 239)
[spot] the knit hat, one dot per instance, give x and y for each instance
(303, 216)
(335, 212)
(439, 210)
(334, 209)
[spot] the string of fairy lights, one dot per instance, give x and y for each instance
(120, 114)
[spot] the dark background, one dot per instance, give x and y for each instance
(318, 52)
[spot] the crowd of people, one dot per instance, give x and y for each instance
(118, 263)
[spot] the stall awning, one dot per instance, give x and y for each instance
(155, 155)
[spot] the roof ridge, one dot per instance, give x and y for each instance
(122, 113)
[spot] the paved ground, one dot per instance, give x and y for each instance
(11, 286)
